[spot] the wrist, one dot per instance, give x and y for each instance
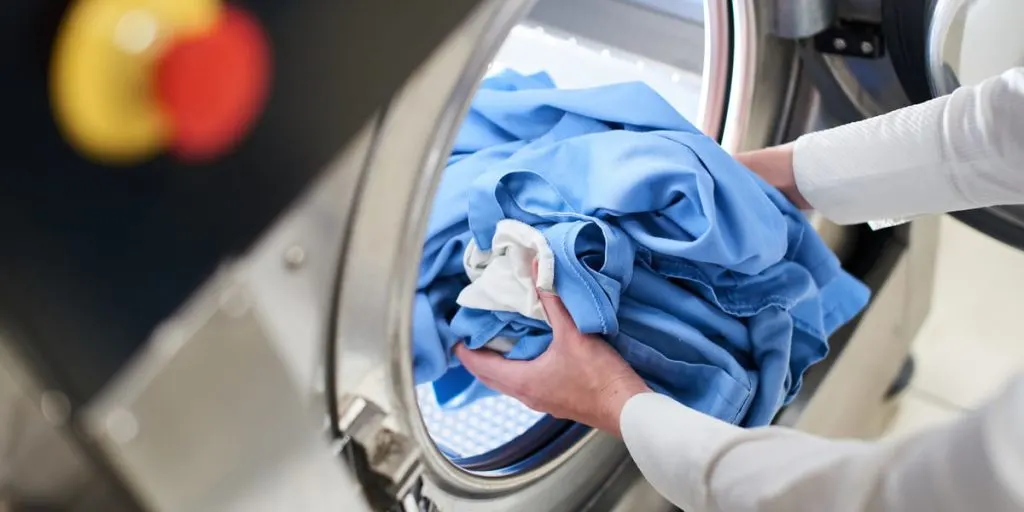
(775, 166)
(615, 397)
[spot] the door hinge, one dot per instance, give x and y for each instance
(851, 39)
(386, 461)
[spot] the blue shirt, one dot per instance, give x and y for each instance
(713, 287)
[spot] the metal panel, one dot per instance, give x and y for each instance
(225, 407)
(209, 419)
(42, 466)
(673, 40)
(797, 19)
(690, 10)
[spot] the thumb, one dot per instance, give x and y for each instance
(558, 316)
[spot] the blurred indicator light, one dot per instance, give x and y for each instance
(131, 79)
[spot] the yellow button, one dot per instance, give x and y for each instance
(101, 73)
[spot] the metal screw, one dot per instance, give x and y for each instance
(122, 426)
(866, 47)
(55, 407)
(294, 257)
(839, 43)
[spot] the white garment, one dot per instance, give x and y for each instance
(501, 279)
(702, 465)
(958, 152)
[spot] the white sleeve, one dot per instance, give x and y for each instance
(704, 465)
(957, 152)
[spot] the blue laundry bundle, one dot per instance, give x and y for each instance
(711, 284)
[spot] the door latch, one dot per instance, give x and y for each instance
(386, 461)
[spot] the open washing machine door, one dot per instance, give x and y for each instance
(497, 454)
(235, 334)
(919, 49)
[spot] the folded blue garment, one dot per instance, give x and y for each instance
(706, 279)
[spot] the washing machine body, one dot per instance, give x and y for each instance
(235, 334)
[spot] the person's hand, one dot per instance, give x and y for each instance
(775, 165)
(579, 377)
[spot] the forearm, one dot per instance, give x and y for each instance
(702, 464)
(958, 152)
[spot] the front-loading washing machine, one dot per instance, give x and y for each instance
(233, 332)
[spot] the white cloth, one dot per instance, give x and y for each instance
(501, 279)
(958, 152)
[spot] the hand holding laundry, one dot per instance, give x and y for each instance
(579, 377)
(704, 278)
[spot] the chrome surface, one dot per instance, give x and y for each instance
(797, 19)
(209, 418)
(38, 462)
(631, 27)
(759, 78)
(683, 9)
(392, 457)
(714, 87)
(871, 85)
(970, 40)
(224, 408)
(42, 463)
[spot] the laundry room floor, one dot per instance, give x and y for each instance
(972, 342)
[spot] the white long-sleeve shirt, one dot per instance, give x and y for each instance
(962, 151)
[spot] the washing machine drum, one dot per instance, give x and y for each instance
(931, 47)
(204, 234)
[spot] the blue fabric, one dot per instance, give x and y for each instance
(706, 279)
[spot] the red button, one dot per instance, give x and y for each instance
(212, 86)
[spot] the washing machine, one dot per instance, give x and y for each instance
(220, 319)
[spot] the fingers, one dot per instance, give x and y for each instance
(492, 368)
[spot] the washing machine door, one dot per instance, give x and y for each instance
(931, 47)
(236, 334)
(497, 454)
